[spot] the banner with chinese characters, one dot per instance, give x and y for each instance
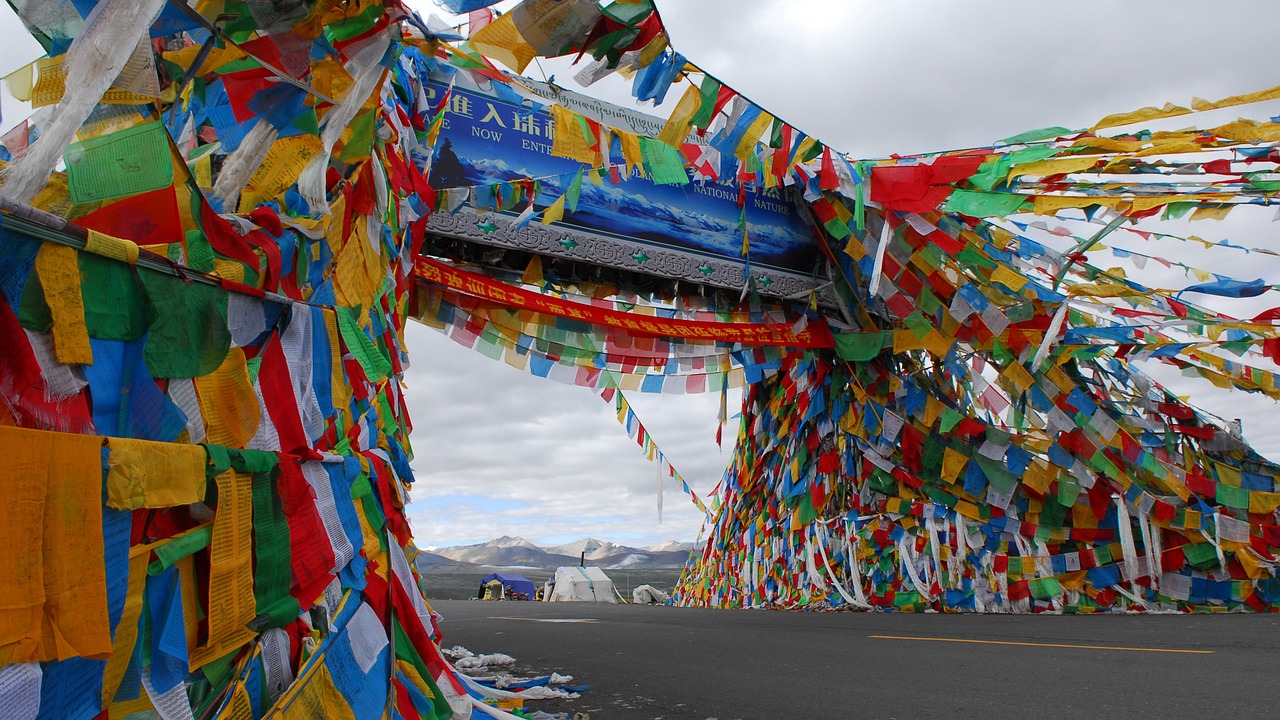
(633, 215)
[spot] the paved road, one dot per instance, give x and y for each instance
(649, 663)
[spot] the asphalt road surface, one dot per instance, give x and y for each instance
(650, 663)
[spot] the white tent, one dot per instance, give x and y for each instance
(649, 595)
(579, 584)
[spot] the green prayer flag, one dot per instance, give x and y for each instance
(574, 191)
(997, 474)
(710, 90)
(376, 366)
(1201, 556)
(1232, 496)
(184, 546)
(628, 13)
(860, 346)
(983, 204)
(272, 554)
(994, 172)
(116, 309)
(126, 162)
(837, 228)
(807, 512)
(918, 324)
(1033, 135)
(1068, 490)
(664, 163)
(1045, 588)
(189, 337)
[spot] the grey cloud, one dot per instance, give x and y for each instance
(482, 428)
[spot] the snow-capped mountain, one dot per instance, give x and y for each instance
(595, 549)
(518, 552)
(671, 546)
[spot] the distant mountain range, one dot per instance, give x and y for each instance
(514, 552)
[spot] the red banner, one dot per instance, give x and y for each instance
(814, 335)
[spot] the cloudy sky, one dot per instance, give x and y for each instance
(549, 462)
(500, 452)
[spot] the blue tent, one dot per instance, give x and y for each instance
(510, 584)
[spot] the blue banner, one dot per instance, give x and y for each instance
(487, 139)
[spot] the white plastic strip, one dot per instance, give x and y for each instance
(1126, 539)
(1050, 335)
(1153, 556)
(834, 580)
(886, 232)
(907, 558)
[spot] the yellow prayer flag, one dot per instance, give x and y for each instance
(358, 272)
(20, 82)
(1052, 204)
(501, 40)
(933, 408)
(217, 57)
(338, 380)
(938, 344)
(854, 248)
(51, 85)
(1212, 213)
(127, 630)
(1141, 115)
(202, 171)
(1082, 516)
(144, 474)
(1059, 378)
(747, 147)
(241, 705)
(1018, 376)
(1263, 502)
(283, 164)
(676, 131)
(315, 696)
(1004, 274)
(53, 585)
(952, 464)
(1141, 204)
(59, 270)
(228, 403)
(113, 248)
(571, 140)
(1059, 166)
(553, 213)
(905, 340)
(1252, 564)
(1170, 146)
(1248, 131)
(805, 146)
(631, 154)
(1038, 477)
(230, 599)
(653, 50)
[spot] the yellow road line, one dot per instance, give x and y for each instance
(1048, 645)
